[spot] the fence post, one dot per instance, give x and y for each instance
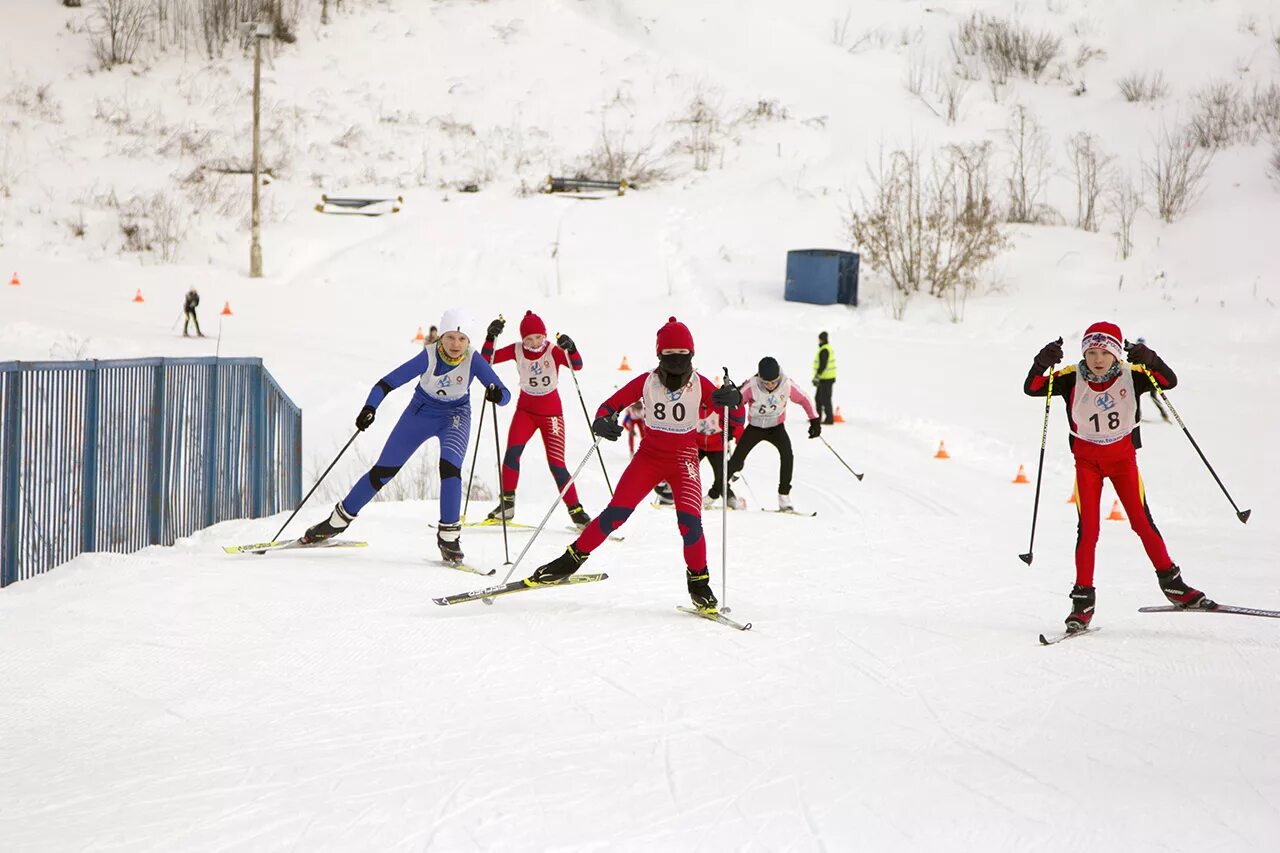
(10, 462)
(155, 456)
(89, 481)
(257, 441)
(211, 446)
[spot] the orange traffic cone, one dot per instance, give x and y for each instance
(1022, 476)
(942, 451)
(839, 418)
(14, 281)
(419, 337)
(624, 365)
(137, 297)
(226, 309)
(1116, 514)
(1071, 498)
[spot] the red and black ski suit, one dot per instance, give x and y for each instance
(1117, 460)
(711, 440)
(536, 413)
(666, 453)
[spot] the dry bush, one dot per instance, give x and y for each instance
(1273, 164)
(35, 101)
(1029, 168)
(1005, 48)
(616, 158)
(950, 90)
(930, 226)
(1089, 166)
(702, 123)
(1140, 86)
(1124, 198)
(1176, 172)
(1225, 115)
(118, 29)
(154, 223)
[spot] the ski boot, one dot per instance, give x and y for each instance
(700, 590)
(506, 508)
(579, 516)
(1083, 599)
(663, 491)
(784, 503)
(330, 527)
(449, 540)
(558, 569)
(1176, 590)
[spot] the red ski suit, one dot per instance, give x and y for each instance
(663, 455)
(1117, 461)
(533, 413)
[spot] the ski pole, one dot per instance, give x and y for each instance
(550, 509)
(1242, 515)
(842, 462)
(573, 374)
(497, 450)
(474, 453)
(316, 486)
(724, 503)
(1044, 437)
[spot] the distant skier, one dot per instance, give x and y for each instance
(433, 335)
(765, 397)
(189, 305)
(633, 423)
(711, 448)
(672, 394)
(824, 378)
(1155, 395)
(1101, 395)
(538, 408)
(440, 408)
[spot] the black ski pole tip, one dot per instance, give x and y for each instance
(1026, 558)
(1244, 516)
(859, 476)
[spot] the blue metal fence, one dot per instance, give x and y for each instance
(117, 455)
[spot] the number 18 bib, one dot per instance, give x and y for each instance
(1105, 417)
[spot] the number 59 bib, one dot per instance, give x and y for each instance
(538, 376)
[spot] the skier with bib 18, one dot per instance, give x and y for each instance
(538, 408)
(440, 408)
(672, 393)
(765, 397)
(1101, 394)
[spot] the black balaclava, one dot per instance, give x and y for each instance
(675, 369)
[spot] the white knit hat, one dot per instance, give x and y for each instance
(456, 320)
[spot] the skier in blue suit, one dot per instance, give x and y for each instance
(440, 408)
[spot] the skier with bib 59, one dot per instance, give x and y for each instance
(440, 408)
(1101, 394)
(672, 394)
(538, 408)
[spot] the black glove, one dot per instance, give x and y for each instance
(566, 343)
(1140, 354)
(607, 428)
(815, 382)
(727, 395)
(364, 420)
(495, 328)
(815, 428)
(1049, 355)
(493, 394)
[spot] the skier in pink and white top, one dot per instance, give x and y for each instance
(765, 397)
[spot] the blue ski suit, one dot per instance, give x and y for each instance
(440, 408)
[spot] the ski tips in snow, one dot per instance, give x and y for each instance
(513, 587)
(1221, 608)
(715, 617)
(282, 545)
(1051, 639)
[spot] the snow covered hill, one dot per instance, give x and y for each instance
(891, 695)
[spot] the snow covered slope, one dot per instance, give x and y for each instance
(891, 695)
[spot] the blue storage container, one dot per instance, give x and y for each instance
(822, 276)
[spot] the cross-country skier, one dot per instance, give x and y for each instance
(440, 408)
(711, 448)
(538, 408)
(765, 397)
(1101, 395)
(672, 393)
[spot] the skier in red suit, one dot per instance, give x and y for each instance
(537, 410)
(1101, 395)
(673, 393)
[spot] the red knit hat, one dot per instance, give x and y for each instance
(531, 324)
(1104, 336)
(675, 335)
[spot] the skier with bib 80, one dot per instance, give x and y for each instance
(672, 394)
(1101, 394)
(538, 408)
(765, 397)
(440, 408)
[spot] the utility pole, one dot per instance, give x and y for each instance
(257, 32)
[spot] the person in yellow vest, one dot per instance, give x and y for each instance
(824, 376)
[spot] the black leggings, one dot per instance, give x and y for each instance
(716, 458)
(775, 435)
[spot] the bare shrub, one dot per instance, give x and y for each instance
(153, 223)
(1140, 86)
(931, 226)
(917, 71)
(1124, 198)
(118, 29)
(702, 124)
(35, 101)
(1005, 48)
(1028, 167)
(1176, 172)
(1089, 166)
(1273, 164)
(616, 158)
(1222, 116)
(950, 90)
